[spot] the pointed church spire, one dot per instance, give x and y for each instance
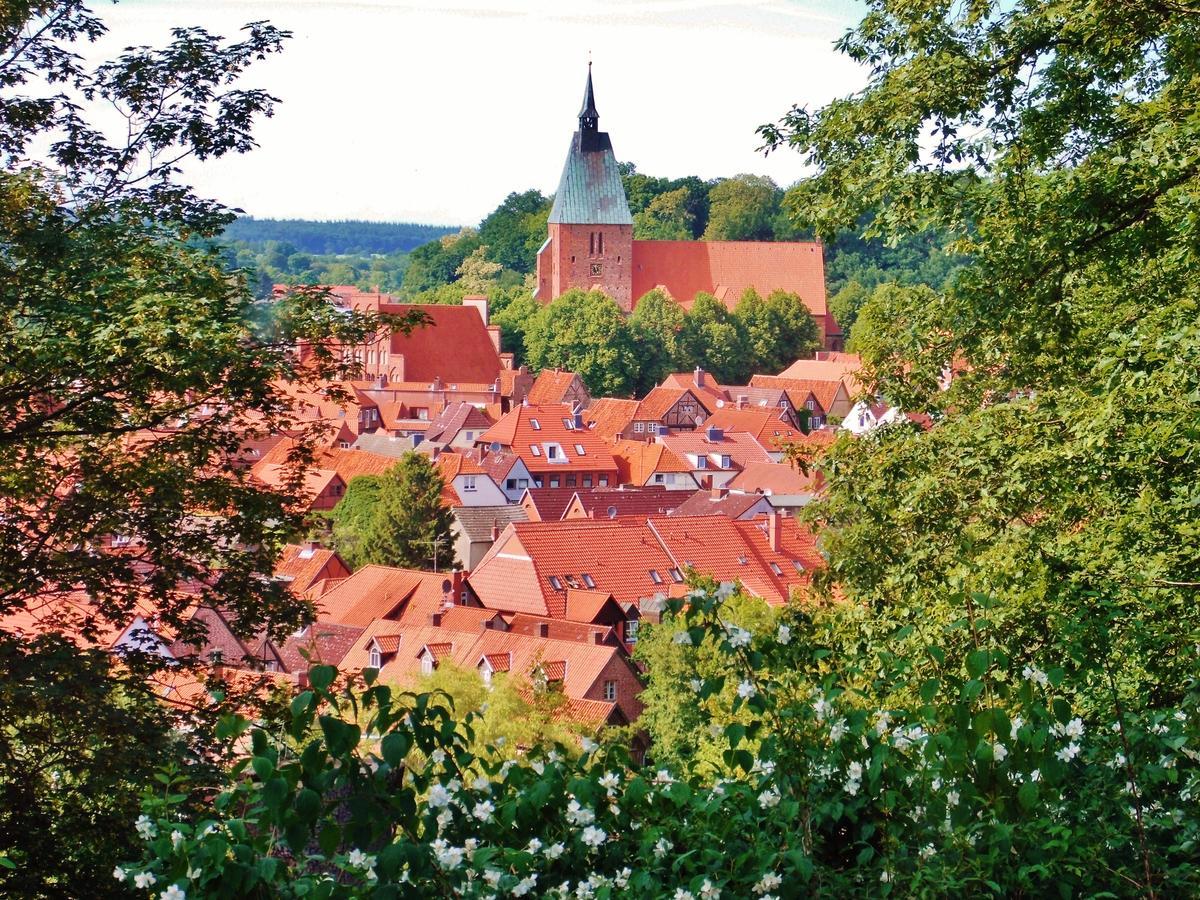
(589, 118)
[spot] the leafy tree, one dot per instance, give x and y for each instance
(666, 218)
(409, 526)
(586, 333)
(514, 227)
(477, 274)
(847, 303)
(514, 319)
(133, 362)
(713, 337)
(353, 517)
(437, 262)
(657, 324)
(742, 208)
(779, 330)
(333, 238)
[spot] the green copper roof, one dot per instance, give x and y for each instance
(590, 191)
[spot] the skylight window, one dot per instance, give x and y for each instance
(775, 568)
(655, 577)
(588, 580)
(556, 583)
(798, 565)
(535, 449)
(676, 576)
(579, 449)
(568, 424)
(535, 424)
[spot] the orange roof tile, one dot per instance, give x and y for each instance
(304, 565)
(526, 427)
(727, 268)
(637, 461)
(376, 592)
(659, 401)
(454, 345)
(774, 479)
(741, 448)
(551, 386)
(709, 394)
(770, 427)
(609, 416)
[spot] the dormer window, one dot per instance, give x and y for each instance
(775, 568)
(551, 451)
(376, 661)
(701, 462)
(726, 461)
(676, 576)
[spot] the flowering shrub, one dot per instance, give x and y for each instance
(990, 781)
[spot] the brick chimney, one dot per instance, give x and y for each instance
(456, 585)
(717, 493)
(495, 530)
(597, 637)
(774, 531)
(494, 333)
(698, 377)
(480, 303)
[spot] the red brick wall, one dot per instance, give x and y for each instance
(572, 252)
(629, 687)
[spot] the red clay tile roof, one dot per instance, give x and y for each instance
(774, 479)
(617, 554)
(376, 592)
(453, 419)
(498, 661)
(609, 416)
(554, 670)
(660, 400)
(844, 369)
(304, 565)
(727, 268)
(770, 427)
(709, 394)
(469, 618)
(739, 551)
(455, 346)
(387, 643)
(741, 448)
(637, 461)
(731, 505)
(551, 386)
(527, 426)
(614, 502)
(326, 643)
(441, 650)
(584, 605)
(826, 393)
(561, 629)
(550, 503)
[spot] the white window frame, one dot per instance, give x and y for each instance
(610, 691)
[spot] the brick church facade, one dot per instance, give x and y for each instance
(590, 245)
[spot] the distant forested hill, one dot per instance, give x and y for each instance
(346, 236)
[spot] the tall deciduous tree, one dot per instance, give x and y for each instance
(743, 208)
(658, 330)
(714, 337)
(779, 330)
(515, 229)
(586, 333)
(667, 217)
(408, 526)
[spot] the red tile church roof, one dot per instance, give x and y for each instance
(727, 268)
(454, 345)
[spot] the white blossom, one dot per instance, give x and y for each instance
(769, 798)
(438, 756)
(143, 880)
(173, 892)
(837, 730)
(447, 857)
(661, 848)
(593, 836)
(145, 828)
(1016, 726)
(579, 815)
(746, 690)
(784, 635)
(176, 839)
(952, 798)
(927, 852)
(360, 860)
(484, 810)
(621, 879)
(525, 885)
(554, 851)
(589, 746)
(696, 684)
(682, 637)
(438, 796)
(663, 776)
(768, 882)
(885, 876)
(492, 876)
(822, 707)
(193, 874)
(610, 781)
(882, 720)
(1034, 674)
(739, 637)
(1069, 752)
(119, 873)
(709, 891)
(999, 751)
(444, 818)
(482, 784)
(534, 846)
(681, 894)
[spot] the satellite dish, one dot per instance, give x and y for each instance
(720, 404)
(494, 446)
(612, 512)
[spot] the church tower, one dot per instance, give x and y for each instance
(590, 245)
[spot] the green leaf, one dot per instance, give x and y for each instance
(395, 746)
(929, 690)
(1027, 796)
(321, 677)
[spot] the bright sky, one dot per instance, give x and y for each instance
(395, 110)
